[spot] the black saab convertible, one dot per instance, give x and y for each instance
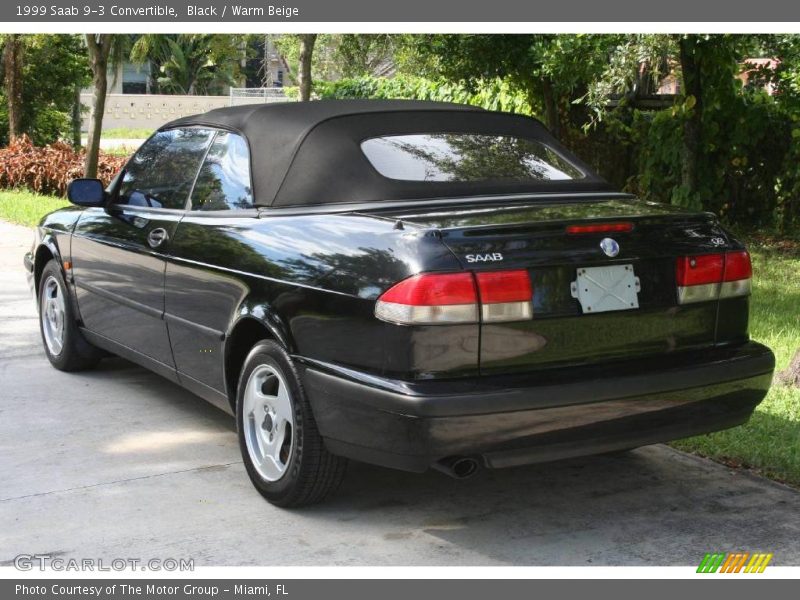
(409, 284)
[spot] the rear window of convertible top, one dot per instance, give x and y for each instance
(466, 157)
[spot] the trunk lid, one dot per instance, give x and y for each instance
(533, 236)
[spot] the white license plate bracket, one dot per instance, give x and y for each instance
(608, 288)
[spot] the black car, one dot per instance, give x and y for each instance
(410, 284)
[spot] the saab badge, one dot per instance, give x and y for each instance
(609, 247)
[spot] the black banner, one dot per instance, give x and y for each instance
(337, 589)
(474, 11)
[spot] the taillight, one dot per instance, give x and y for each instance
(505, 296)
(699, 277)
(445, 298)
(738, 275)
(430, 299)
(712, 276)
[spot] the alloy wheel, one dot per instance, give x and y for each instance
(52, 312)
(268, 422)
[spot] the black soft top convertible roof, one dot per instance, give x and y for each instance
(309, 153)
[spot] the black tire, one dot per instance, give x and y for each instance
(311, 472)
(75, 354)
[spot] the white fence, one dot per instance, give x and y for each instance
(239, 96)
(150, 111)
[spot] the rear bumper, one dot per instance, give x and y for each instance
(519, 419)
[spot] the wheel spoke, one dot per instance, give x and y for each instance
(264, 448)
(283, 405)
(263, 398)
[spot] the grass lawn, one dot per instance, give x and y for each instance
(27, 208)
(123, 133)
(120, 150)
(769, 443)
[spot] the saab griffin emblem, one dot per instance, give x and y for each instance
(610, 247)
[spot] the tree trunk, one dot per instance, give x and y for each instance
(99, 46)
(12, 65)
(77, 120)
(551, 108)
(307, 41)
(692, 129)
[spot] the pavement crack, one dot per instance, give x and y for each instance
(105, 483)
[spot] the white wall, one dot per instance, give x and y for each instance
(149, 111)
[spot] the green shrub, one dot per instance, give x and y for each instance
(746, 175)
(749, 164)
(49, 169)
(494, 94)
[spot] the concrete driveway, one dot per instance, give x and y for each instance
(120, 463)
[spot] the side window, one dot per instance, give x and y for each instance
(162, 171)
(224, 179)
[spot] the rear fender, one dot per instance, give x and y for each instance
(240, 337)
(260, 310)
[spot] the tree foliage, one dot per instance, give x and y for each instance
(190, 63)
(721, 146)
(717, 146)
(53, 68)
(494, 94)
(338, 56)
(550, 70)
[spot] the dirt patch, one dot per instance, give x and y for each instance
(790, 376)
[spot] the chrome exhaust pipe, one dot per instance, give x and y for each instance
(457, 467)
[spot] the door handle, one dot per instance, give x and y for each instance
(157, 237)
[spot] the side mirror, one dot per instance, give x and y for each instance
(86, 192)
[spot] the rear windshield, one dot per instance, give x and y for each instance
(466, 157)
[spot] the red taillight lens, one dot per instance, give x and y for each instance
(697, 270)
(504, 286)
(430, 299)
(713, 276)
(600, 228)
(440, 298)
(433, 289)
(505, 296)
(737, 266)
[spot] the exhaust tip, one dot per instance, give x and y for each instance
(457, 467)
(465, 467)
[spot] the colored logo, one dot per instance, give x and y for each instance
(734, 562)
(609, 246)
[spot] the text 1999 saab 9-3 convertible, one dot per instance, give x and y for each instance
(410, 284)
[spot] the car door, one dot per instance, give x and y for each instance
(118, 251)
(202, 293)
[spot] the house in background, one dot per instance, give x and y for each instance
(267, 68)
(755, 73)
(670, 85)
(129, 78)
(132, 103)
